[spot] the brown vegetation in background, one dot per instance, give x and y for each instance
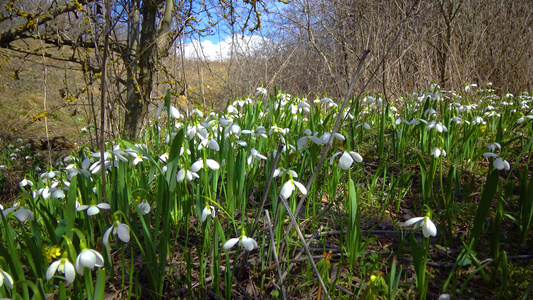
(311, 48)
(446, 41)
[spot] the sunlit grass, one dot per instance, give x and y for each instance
(177, 212)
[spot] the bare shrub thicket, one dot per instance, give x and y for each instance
(449, 42)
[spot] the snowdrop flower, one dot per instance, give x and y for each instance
(522, 119)
(445, 297)
(261, 92)
(22, 214)
(118, 229)
(191, 174)
(347, 159)
(478, 120)
(436, 152)
(365, 126)
(493, 146)
(457, 120)
(254, 154)
(437, 125)
(64, 266)
(289, 186)
(25, 182)
(428, 227)
(326, 136)
(430, 112)
(232, 110)
(88, 258)
(143, 206)
(173, 112)
(4, 276)
(248, 243)
(94, 208)
(260, 131)
(501, 164)
(498, 163)
(207, 211)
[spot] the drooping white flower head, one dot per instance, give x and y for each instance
(428, 227)
(88, 258)
(289, 186)
(64, 266)
(4, 276)
(93, 209)
(437, 152)
(118, 229)
(501, 164)
(246, 242)
(144, 207)
(207, 211)
(347, 159)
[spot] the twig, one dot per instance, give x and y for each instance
(273, 247)
(304, 244)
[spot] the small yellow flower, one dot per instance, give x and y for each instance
(51, 253)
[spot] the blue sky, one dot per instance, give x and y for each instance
(218, 45)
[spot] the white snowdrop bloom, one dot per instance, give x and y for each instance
(456, 120)
(25, 182)
(173, 112)
(478, 120)
(437, 126)
(493, 146)
(437, 152)
(88, 258)
(21, 214)
(5, 277)
(247, 243)
(289, 186)
(430, 112)
(64, 266)
(207, 211)
(144, 207)
(261, 92)
(428, 227)
(347, 159)
(254, 154)
(501, 164)
(522, 119)
(326, 136)
(366, 126)
(232, 110)
(94, 208)
(119, 229)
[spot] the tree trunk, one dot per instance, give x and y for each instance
(137, 107)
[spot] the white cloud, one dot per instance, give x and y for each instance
(241, 45)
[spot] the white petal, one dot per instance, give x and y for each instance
(93, 210)
(301, 187)
(23, 214)
(490, 154)
(87, 259)
(70, 273)
(429, 228)
(105, 239)
(123, 232)
(413, 221)
(103, 205)
(356, 156)
(212, 164)
(248, 243)
(181, 175)
(52, 269)
(346, 161)
(230, 243)
(8, 278)
(199, 164)
(286, 189)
